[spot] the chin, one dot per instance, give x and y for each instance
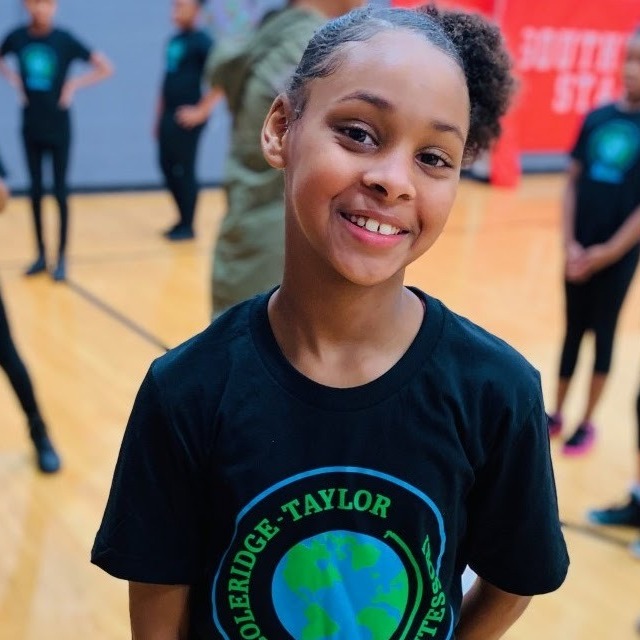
(373, 278)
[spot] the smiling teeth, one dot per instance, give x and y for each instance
(371, 225)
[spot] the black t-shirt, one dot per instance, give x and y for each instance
(608, 189)
(44, 64)
(186, 55)
(291, 507)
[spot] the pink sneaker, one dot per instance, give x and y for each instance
(554, 422)
(581, 441)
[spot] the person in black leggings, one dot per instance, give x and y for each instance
(602, 195)
(45, 54)
(182, 113)
(13, 366)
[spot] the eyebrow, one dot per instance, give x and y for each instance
(370, 98)
(385, 105)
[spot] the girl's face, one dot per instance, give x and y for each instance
(631, 69)
(41, 11)
(373, 163)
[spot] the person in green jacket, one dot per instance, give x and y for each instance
(249, 253)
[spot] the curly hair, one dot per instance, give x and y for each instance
(472, 42)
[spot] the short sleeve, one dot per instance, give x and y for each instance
(578, 152)
(152, 526)
(78, 50)
(8, 44)
(514, 537)
(205, 45)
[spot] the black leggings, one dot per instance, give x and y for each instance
(35, 152)
(178, 149)
(14, 367)
(594, 306)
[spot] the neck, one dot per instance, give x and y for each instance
(40, 29)
(630, 103)
(316, 307)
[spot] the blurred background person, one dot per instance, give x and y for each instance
(182, 112)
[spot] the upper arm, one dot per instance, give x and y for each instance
(206, 45)
(7, 45)
(574, 170)
(158, 612)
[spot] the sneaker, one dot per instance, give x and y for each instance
(36, 267)
(554, 422)
(60, 272)
(581, 441)
(181, 233)
(624, 515)
(46, 455)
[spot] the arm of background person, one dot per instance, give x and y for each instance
(487, 612)
(158, 612)
(13, 79)
(189, 116)
(598, 256)
(569, 207)
(4, 194)
(101, 68)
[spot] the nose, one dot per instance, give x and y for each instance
(391, 176)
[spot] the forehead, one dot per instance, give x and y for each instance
(401, 66)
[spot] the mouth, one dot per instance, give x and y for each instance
(373, 225)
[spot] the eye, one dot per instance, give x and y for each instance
(357, 134)
(433, 160)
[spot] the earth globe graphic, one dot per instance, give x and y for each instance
(340, 585)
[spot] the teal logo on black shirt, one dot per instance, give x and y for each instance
(40, 65)
(613, 149)
(175, 53)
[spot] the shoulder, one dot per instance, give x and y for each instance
(600, 114)
(203, 38)
(17, 35)
(487, 366)
(199, 367)
(67, 37)
(63, 34)
(299, 25)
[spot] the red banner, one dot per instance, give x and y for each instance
(481, 6)
(568, 56)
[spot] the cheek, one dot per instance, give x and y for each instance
(437, 203)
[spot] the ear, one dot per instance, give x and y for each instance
(274, 132)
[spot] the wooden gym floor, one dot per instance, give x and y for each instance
(131, 294)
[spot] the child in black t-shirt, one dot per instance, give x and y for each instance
(602, 255)
(13, 366)
(325, 459)
(44, 55)
(182, 113)
(603, 193)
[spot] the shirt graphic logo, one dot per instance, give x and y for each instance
(335, 554)
(314, 579)
(613, 149)
(175, 53)
(40, 65)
